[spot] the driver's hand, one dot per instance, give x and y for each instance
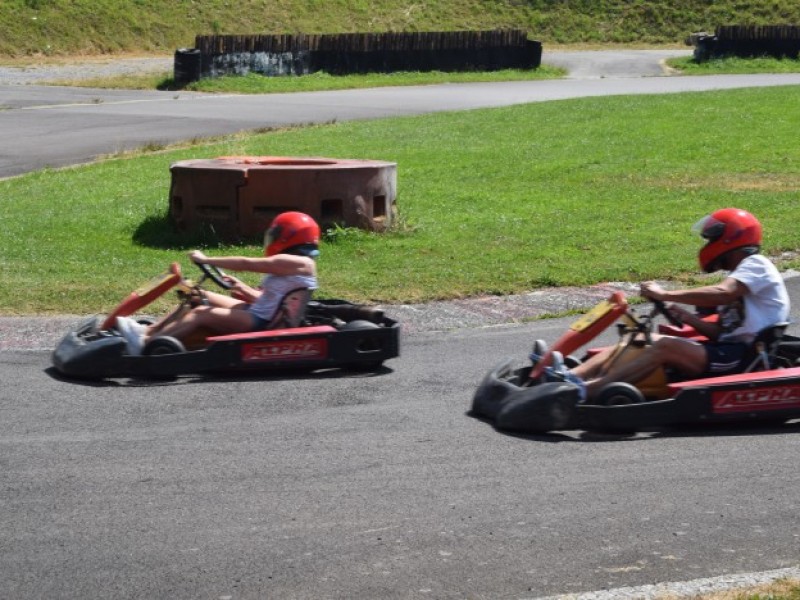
(651, 290)
(198, 257)
(236, 284)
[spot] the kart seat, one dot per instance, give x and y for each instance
(292, 309)
(765, 348)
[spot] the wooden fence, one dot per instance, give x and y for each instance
(358, 53)
(779, 41)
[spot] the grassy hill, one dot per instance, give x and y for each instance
(69, 27)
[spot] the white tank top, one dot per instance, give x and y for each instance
(274, 288)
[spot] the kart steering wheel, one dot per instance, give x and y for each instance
(215, 275)
(662, 308)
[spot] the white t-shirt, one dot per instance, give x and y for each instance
(765, 304)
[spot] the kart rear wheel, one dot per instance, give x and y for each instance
(163, 345)
(619, 394)
(357, 324)
(366, 345)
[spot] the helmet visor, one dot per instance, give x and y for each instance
(709, 228)
(272, 234)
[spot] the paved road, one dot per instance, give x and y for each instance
(54, 126)
(366, 487)
(357, 487)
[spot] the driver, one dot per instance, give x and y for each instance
(752, 297)
(291, 245)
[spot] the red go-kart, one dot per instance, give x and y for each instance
(538, 397)
(304, 335)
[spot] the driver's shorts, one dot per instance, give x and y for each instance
(726, 358)
(259, 323)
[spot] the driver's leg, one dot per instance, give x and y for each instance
(223, 301)
(687, 356)
(598, 364)
(217, 319)
(214, 299)
(592, 367)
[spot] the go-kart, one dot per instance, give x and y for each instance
(539, 397)
(305, 335)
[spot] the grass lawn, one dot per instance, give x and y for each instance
(254, 83)
(734, 66)
(491, 201)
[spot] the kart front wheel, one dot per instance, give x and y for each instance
(619, 394)
(163, 345)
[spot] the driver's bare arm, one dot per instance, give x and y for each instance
(709, 329)
(280, 264)
(241, 290)
(724, 292)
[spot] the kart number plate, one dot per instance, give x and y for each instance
(285, 350)
(594, 315)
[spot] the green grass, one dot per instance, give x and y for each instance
(254, 83)
(258, 84)
(58, 27)
(491, 201)
(734, 66)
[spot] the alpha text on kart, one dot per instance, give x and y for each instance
(539, 397)
(304, 335)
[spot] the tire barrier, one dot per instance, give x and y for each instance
(188, 63)
(367, 52)
(747, 41)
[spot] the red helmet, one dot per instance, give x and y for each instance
(291, 230)
(726, 229)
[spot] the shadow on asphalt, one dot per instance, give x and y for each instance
(740, 429)
(283, 375)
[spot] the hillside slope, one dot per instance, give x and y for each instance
(68, 27)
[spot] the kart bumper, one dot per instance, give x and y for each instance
(502, 399)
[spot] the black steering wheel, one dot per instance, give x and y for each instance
(662, 308)
(215, 275)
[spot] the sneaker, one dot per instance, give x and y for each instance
(539, 350)
(133, 333)
(557, 362)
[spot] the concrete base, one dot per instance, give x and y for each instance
(238, 196)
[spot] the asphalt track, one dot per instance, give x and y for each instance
(56, 126)
(334, 486)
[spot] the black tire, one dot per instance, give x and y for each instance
(366, 345)
(571, 361)
(359, 324)
(619, 394)
(163, 345)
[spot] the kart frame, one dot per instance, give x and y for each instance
(335, 334)
(513, 399)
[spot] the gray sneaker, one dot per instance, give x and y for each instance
(133, 333)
